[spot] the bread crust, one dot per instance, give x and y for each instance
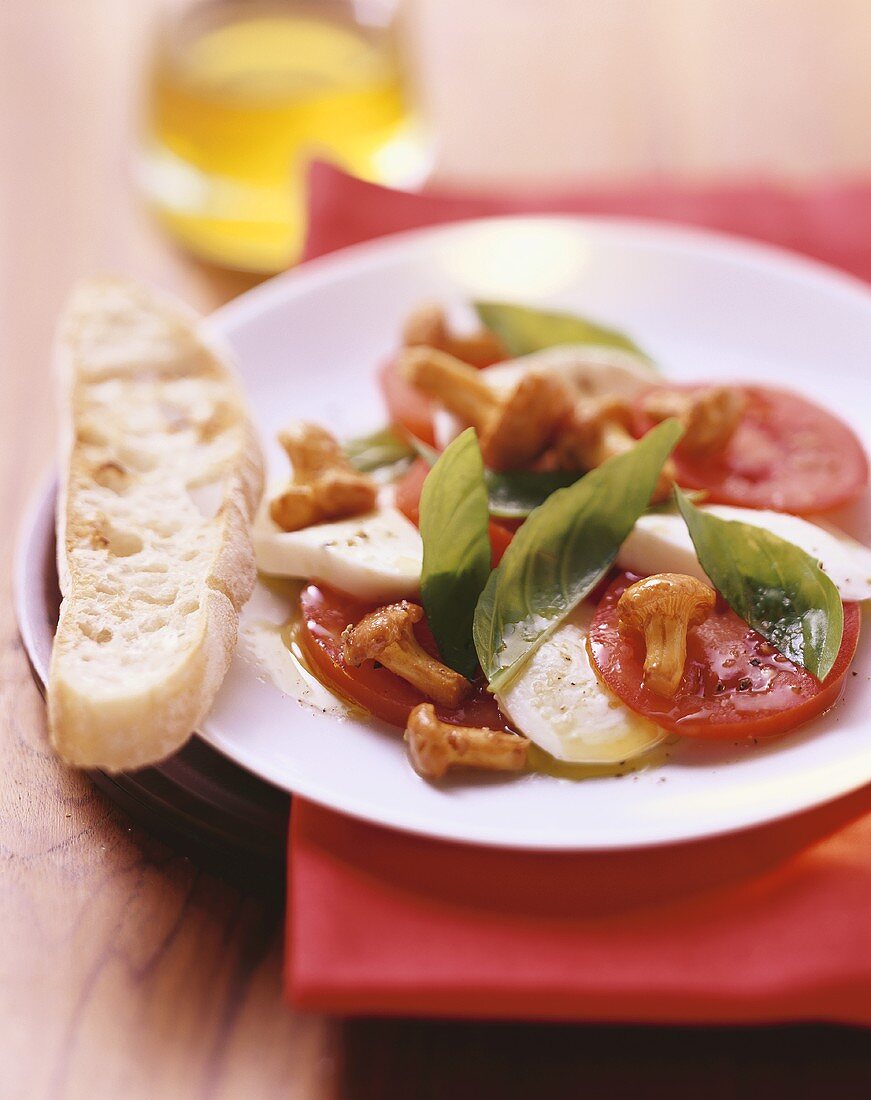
(161, 477)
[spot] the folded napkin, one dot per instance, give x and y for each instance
(830, 223)
(772, 924)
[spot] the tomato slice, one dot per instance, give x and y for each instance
(407, 499)
(408, 409)
(735, 685)
(325, 614)
(408, 489)
(500, 538)
(787, 454)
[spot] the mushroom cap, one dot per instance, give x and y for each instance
(608, 408)
(521, 427)
(710, 415)
(713, 417)
(674, 596)
(428, 747)
(323, 483)
(310, 448)
(379, 629)
(426, 325)
(594, 428)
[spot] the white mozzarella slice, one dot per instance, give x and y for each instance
(375, 557)
(661, 543)
(558, 702)
(590, 370)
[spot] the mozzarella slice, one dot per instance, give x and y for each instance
(560, 704)
(375, 557)
(661, 543)
(589, 370)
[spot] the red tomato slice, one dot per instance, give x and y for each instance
(500, 539)
(787, 454)
(407, 499)
(735, 686)
(325, 614)
(408, 409)
(408, 490)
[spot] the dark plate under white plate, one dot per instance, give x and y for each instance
(198, 801)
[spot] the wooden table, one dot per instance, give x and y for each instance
(124, 970)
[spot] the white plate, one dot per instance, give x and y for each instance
(705, 307)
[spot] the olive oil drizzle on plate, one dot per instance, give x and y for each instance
(539, 762)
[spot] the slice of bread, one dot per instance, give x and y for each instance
(161, 476)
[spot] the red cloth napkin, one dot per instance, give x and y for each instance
(772, 924)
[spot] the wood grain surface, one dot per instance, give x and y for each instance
(125, 971)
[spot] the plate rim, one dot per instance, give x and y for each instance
(266, 296)
(691, 240)
(694, 239)
(27, 578)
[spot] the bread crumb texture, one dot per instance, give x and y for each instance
(155, 559)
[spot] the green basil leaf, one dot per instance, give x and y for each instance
(456, 548)
(775, 587)
(562, 551)
(423, 450)
(524, 330)
(513, 495)
(382, 448)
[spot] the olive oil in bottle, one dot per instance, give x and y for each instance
(243, 95)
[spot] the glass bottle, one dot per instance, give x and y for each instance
(242, 94)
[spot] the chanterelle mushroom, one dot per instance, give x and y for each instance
(323, 485)
(709, 416)
(598, 429)
(514, 430)
(387, 636)
(428, 326)
(434, 746)
(662, 608)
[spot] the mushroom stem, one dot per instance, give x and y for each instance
(662, 608)
(408, 659)
(434, 746)
(428, 326)
(459, 387)
(666, 645)
(513, 430)
(596, 430)
(709, 416)
(386, 635)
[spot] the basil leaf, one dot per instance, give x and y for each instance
(456, 549)
(423, 450)
(774, 586)
(524, 330)
(382, 448)
(562, 551)
(513, 495)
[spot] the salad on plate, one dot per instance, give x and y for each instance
(555, 558)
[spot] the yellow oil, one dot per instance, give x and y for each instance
(537, 761)
(290, 635)
(239, 105)
(544, 763)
